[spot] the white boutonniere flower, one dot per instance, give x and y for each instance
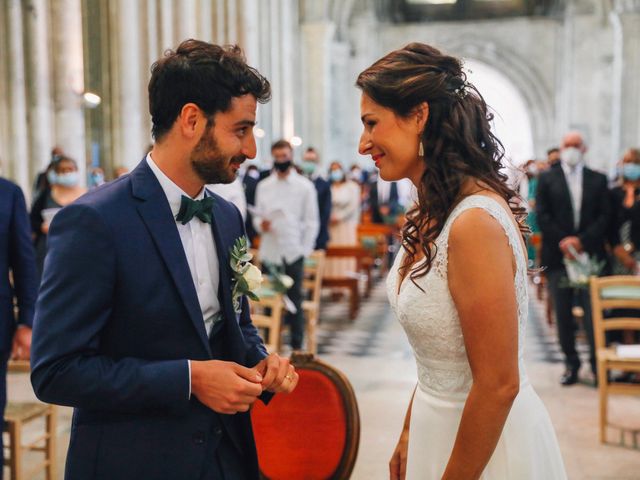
(247, 278)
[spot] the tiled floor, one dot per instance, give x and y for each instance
(374, 353)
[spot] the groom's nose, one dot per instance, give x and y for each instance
(249, 146)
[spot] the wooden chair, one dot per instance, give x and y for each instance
(266, 315)
(382, 235)
(364, 263)
(312, 433)
(312, 286)
(616, 292)
(16, 416)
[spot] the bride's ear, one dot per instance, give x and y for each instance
(421, 116)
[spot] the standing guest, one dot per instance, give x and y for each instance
(287, 220)
(572, 203)
(384, 201)
(65, 189)
(232, 192)
(310, 168)
(625, 205)
(96, 178)
(41, 183)
(528, 187)
(138, 324)
(345, 217)
(18, 260)
(553, 156)
(249, 183)
(120, 171)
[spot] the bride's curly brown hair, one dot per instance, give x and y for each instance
(457, 139)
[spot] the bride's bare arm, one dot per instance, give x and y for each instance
(481, 273)
(398, 462)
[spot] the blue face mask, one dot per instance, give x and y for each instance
(97, 179)
(70, 179)
(336, 175)
(308, 167)
(52, 177)
(631, 171)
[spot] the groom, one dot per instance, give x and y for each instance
(135, 326)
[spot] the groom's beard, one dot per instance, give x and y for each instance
(210, 164)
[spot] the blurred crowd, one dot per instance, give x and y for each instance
(582, 223)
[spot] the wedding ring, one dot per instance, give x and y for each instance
(289, 377)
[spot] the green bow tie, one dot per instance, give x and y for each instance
(190, 208)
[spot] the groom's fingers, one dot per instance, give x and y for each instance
(250, 374)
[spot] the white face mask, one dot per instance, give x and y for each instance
(571, 156)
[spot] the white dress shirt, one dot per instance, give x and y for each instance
(291, 205)
(232, 192)
(574, 182)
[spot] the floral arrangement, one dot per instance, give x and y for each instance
(247, 278)
(581, 268)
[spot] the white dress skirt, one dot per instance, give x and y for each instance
(527, 448)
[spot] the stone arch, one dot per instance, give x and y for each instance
(525, 78)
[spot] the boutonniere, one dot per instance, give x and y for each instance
(246, 276)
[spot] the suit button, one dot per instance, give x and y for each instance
(198, 438)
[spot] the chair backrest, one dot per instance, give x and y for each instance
(266, 315)
(313, 272)
(312, 433)
(619, 293)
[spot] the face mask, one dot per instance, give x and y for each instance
(356, 175)
(68, 179)
(631, 171)
(532, 170)
(282, 166)
(308, 167)
(571, 156)
(52, 177)
(336, 175)
(97, 179)
(255, 174)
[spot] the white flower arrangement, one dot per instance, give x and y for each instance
(247, 278)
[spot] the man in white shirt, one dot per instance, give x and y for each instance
(287, 220)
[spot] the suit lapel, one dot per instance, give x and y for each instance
(586, 178)
(156, 214)
(222, 249)
(564, 185)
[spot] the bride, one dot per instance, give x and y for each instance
(459, 284)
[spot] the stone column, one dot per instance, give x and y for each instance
(232, 21)
(5, 147)
(205, 20)
(129, 109)
(154, 48)
(166, 25)
(629, 12)
(40, 105)
(275, 44)
(265, 65)
(17, 99)
(221, 19)
(316, 73)
(288, 22)
(186, 13)
(249, 31)
(66, 18)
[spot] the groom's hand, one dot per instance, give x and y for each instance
(279, 376)
(225, 387)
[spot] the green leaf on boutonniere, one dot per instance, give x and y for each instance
(242, 284)
(253, 296)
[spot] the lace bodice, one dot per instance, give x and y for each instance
(430, 319)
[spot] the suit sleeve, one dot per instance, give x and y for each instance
(73, 309)
(22, 260)
(544, 209)
(593, 237)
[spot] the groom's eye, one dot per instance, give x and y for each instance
(242, 131)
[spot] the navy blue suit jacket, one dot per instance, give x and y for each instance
(17, 256)
(116, 320)
(323, 189)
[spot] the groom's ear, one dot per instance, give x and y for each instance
(191, 121)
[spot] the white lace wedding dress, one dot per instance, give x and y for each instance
(527, 449)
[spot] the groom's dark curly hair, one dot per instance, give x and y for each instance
(201, 73)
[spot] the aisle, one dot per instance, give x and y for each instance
(375, 355)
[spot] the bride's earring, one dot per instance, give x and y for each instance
(421, 150)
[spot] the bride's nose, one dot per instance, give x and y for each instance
(365, 145)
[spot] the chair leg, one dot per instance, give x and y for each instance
(602, 391)
(311, 332)
(15, 430)
(50, 453)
